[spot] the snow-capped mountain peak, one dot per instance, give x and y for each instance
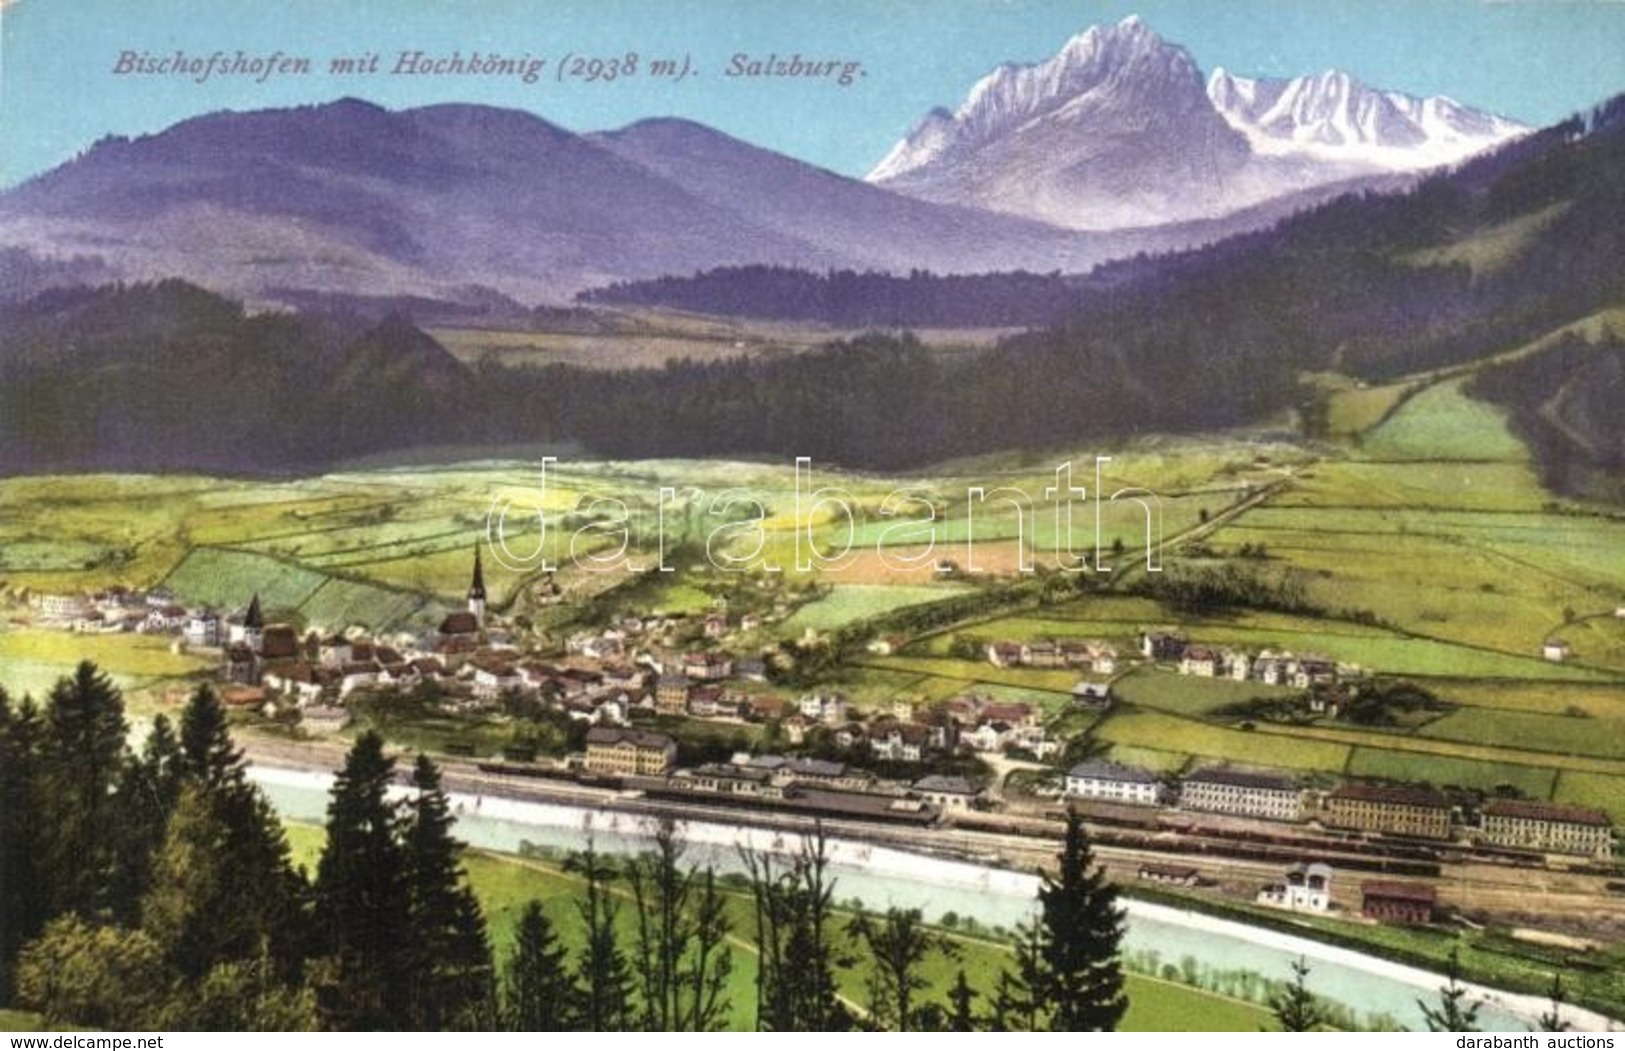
(1126, 58)
(1332, 116)
(1120, 128)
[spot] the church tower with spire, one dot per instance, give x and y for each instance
(476, 590)
(254, 625)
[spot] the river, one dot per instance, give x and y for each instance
(882, 876)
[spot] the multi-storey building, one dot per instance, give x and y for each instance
(1243, 794)
(1399, 810)
(1113, 783)
(1547, 827)
(616, 751)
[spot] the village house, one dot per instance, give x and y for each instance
(1547, 827)
(90, 622)
(710, 702)
(1093, 695)
(324, 718)
(1412, 903)
(1199, 661)
(203, 628)
(620, 752)
(63, 608)
(1113, 783)
(1162, 646)
(1556, 650)
(1303, 888)
(707, 667)
(1016, 713)
(334, 651)
(828, 708)
(1400, 810)
(493, 677)
(299, 681)
(763, 709)
(949, 794)
(165, 620)
(897, 742)
(671, 694)
(1004, 654)
(1243, 794)
(987, 738)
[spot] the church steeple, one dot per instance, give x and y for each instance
(254, 624)
(476, 589)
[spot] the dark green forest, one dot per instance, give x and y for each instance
(169, 376)
(155, 890)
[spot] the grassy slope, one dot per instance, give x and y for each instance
(505, 884)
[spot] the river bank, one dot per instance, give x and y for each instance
(884, 874)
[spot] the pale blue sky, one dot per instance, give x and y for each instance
(1536, 60)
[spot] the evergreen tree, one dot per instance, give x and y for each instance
(962, 1005)
(1297, 1010)
(681, 954)
(1007, 1004)
(603, 975)
(1017, 1006)
(81, 757)
(1452, 1015)
(223, 837)
(189, 910)
(1080, 931)
(22, 904)
(897, 948)
(149, 788)
(540, 995)
(362, 902)
(1552, 1021)
(208, 755)
(451, 971)
(796, 965)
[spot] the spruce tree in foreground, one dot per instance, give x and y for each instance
(1453, 1014)
(539, 993)
(1297, 1010)
(22, 905)
(796, 964)
(223, 836)
(605, 979)
(681, 952)
(962, 1005)
(81, 754)
(1080, 932)
(897, 947)
(150, 787)
(362, 907)
(451, 975)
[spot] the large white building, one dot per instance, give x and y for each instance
(1244, 794)
(1113, 783)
